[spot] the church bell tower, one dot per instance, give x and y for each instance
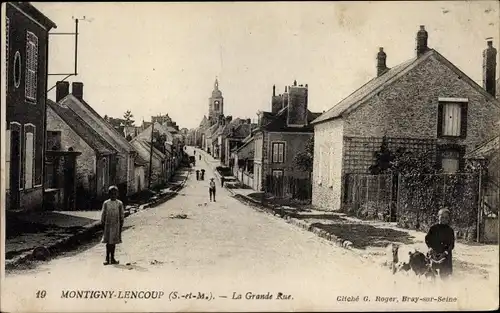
(216, 104)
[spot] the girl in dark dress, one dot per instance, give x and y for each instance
(441, 240)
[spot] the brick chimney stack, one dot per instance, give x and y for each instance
(77, 90)
(62, 90)
(381, 64)
(422, 37)
(489, 68)
(297, 106)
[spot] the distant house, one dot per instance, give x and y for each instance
(199, 133)
(243, 161)
(423, 104)
(125, 172)
(97, 164)
(208, 134)
(158, 172)
(280, 135)
(233, 136)
(26, 49)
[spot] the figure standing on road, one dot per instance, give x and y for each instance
(112, 217)
(202, 174)
(211, 189)
(200, 157)
(441, 240)
(197, 174)
(222, 179)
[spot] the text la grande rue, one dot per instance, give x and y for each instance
(261, 296)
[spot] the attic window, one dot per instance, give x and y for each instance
(452, 117)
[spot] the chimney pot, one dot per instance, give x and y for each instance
(274, 90)
(62, 90)
(77, 90)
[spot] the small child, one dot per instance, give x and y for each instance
(112, 217)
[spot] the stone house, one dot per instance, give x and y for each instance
(208, 143)
(95, 167)
(281, 134)
(26, 52)
(425, 103)
(233, 136)
(125, 171)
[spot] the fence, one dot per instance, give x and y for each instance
(245, 178)
(369, 196)
(289, 187)
(421, 197)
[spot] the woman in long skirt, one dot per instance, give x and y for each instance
(112, 217)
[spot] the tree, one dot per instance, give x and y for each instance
(128, 118)
(304, 159)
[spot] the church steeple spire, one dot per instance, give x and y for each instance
(216, 84)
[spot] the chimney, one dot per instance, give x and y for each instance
(62, 90)
(489, 68)
(381, 65)
(77, 90)
(249, 121)
(297, 107)
(422, 41)
(274, 90)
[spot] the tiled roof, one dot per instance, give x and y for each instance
(81, 128)
(278, 122)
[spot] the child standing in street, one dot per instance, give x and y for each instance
(112, 217)
(211, 189)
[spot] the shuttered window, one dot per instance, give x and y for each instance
(7, 159)
(31, 66)
(452, 119)
(7, 35)
(29, 156)
(320, 165)
(330, 167)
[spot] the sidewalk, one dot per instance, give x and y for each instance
(55, 230)
(370, 239)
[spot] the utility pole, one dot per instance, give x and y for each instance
(151, 155)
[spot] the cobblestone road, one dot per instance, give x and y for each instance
(221, 248)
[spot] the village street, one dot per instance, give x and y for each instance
(223, 247)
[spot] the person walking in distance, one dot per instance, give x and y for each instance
(202, 174)
(112, 217)
(222, 179)
(197, 174)
(441, 241)
(211, 190)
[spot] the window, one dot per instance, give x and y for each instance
(450, 161)
(53, 140)
(320, 165)
(17, 69)
(452, 119)
(278, 173)
(7, 159)
(278, 152)
(31, 66)
(29, 155)
(330, 167)
(104, 172)
(7, 30)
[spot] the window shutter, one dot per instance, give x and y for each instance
(282, 153)
(463, 122)
(7, 29)
(29, 158)
(440, 120)
(7, 159)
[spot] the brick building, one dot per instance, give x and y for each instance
(281, 134)
(423, 103)
(26, 50)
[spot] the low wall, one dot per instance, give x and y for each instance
(490, 232)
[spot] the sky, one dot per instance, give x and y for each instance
(159, 58)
